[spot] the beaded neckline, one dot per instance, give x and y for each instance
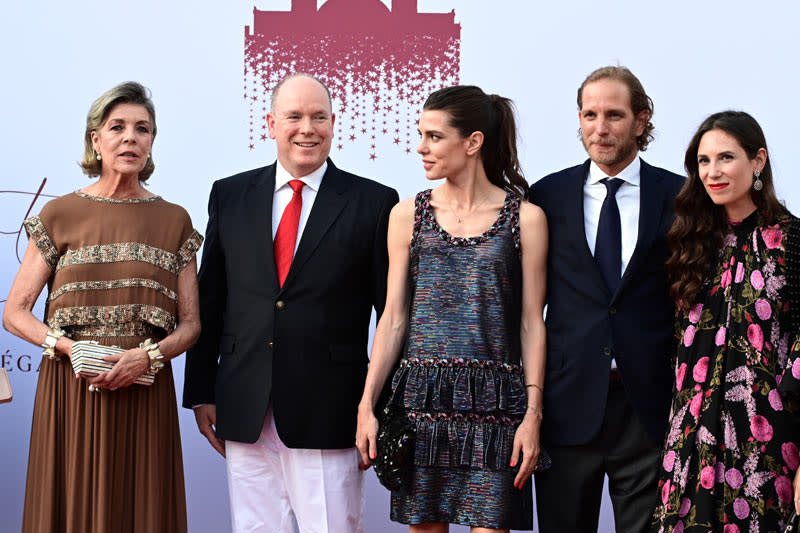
(117, 200)
(427, 214)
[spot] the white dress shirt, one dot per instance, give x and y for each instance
(594, 193)
(283, 195)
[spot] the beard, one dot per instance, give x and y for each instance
(622, 150)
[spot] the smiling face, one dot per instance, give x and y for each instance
(445, 153)
(124, 140)
(301, 122)
(727, 172)
(608, 126)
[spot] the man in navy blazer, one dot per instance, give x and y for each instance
(278, 371)
(609, 315)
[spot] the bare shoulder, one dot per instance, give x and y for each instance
(403, 211)
(532, 216)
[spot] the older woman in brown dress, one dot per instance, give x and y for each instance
(119, 263)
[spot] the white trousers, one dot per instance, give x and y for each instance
(270, 484)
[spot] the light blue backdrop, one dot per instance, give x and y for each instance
(694, 58)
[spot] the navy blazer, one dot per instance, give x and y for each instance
(587, 326)
(302, 346)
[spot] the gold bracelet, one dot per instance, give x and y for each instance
(535, 386)
(50, 341)
(155, 355)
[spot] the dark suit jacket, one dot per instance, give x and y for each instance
(587, 326)
(303, 346)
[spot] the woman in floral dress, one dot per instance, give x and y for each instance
(731, 452)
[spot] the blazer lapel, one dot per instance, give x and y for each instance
(651, 208)
(573, 198)
(328, 204)
(258, 206)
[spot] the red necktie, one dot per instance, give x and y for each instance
(286, 236)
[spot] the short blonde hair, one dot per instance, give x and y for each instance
(129, 92)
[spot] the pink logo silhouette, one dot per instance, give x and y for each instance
(379, 64)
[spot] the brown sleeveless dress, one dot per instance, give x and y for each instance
(111, 460)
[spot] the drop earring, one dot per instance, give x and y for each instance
(97, 155)
(757, 183)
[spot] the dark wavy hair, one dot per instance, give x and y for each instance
(470, 110)
(639, 99)
(695, 237)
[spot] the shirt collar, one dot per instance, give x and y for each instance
(313, 180)
(630, 174)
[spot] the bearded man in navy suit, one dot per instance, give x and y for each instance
(609, 315)
(294, 262)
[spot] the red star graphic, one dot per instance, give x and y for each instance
(373, 157)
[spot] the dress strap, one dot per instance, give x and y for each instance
(421, 207)
(513, 212)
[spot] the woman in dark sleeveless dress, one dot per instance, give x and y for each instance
(464, 304)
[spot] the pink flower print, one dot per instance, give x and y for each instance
(719, 470)
(755, 335)
(763, 309)
(790, 455)
(669, 461)
(686, 504)
(700, 370)
(796, 368)
(757, 280)
(734, 478)
(772, 236)
(775, 400)
(678, 527)
(730, 528)
(739, 273)
(688, 336)
(680, 373)
(707, 477)
(741, 508)
(694, 313)
(783, 486)
(726, 278)
(719, 338)
(697, 402)
(761, 428)
(665, 492)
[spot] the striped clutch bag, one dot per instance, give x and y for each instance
(87, 361)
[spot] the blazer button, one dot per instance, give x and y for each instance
(279, 305)
(607, 350)
(612, 310)
(269, 344)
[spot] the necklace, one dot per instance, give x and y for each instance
(474, 209)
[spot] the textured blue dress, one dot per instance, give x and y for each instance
(460, 377)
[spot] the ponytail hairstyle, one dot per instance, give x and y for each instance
(471, 110)
(700, 225)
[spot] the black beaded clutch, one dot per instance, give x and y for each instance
(396, 439)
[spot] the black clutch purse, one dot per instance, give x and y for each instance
(396, 439)
(792, 524)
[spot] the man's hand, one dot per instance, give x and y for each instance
(206, 417)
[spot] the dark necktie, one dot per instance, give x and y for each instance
(286, 236)
(608, 246)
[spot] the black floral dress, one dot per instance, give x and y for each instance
(731, 450)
